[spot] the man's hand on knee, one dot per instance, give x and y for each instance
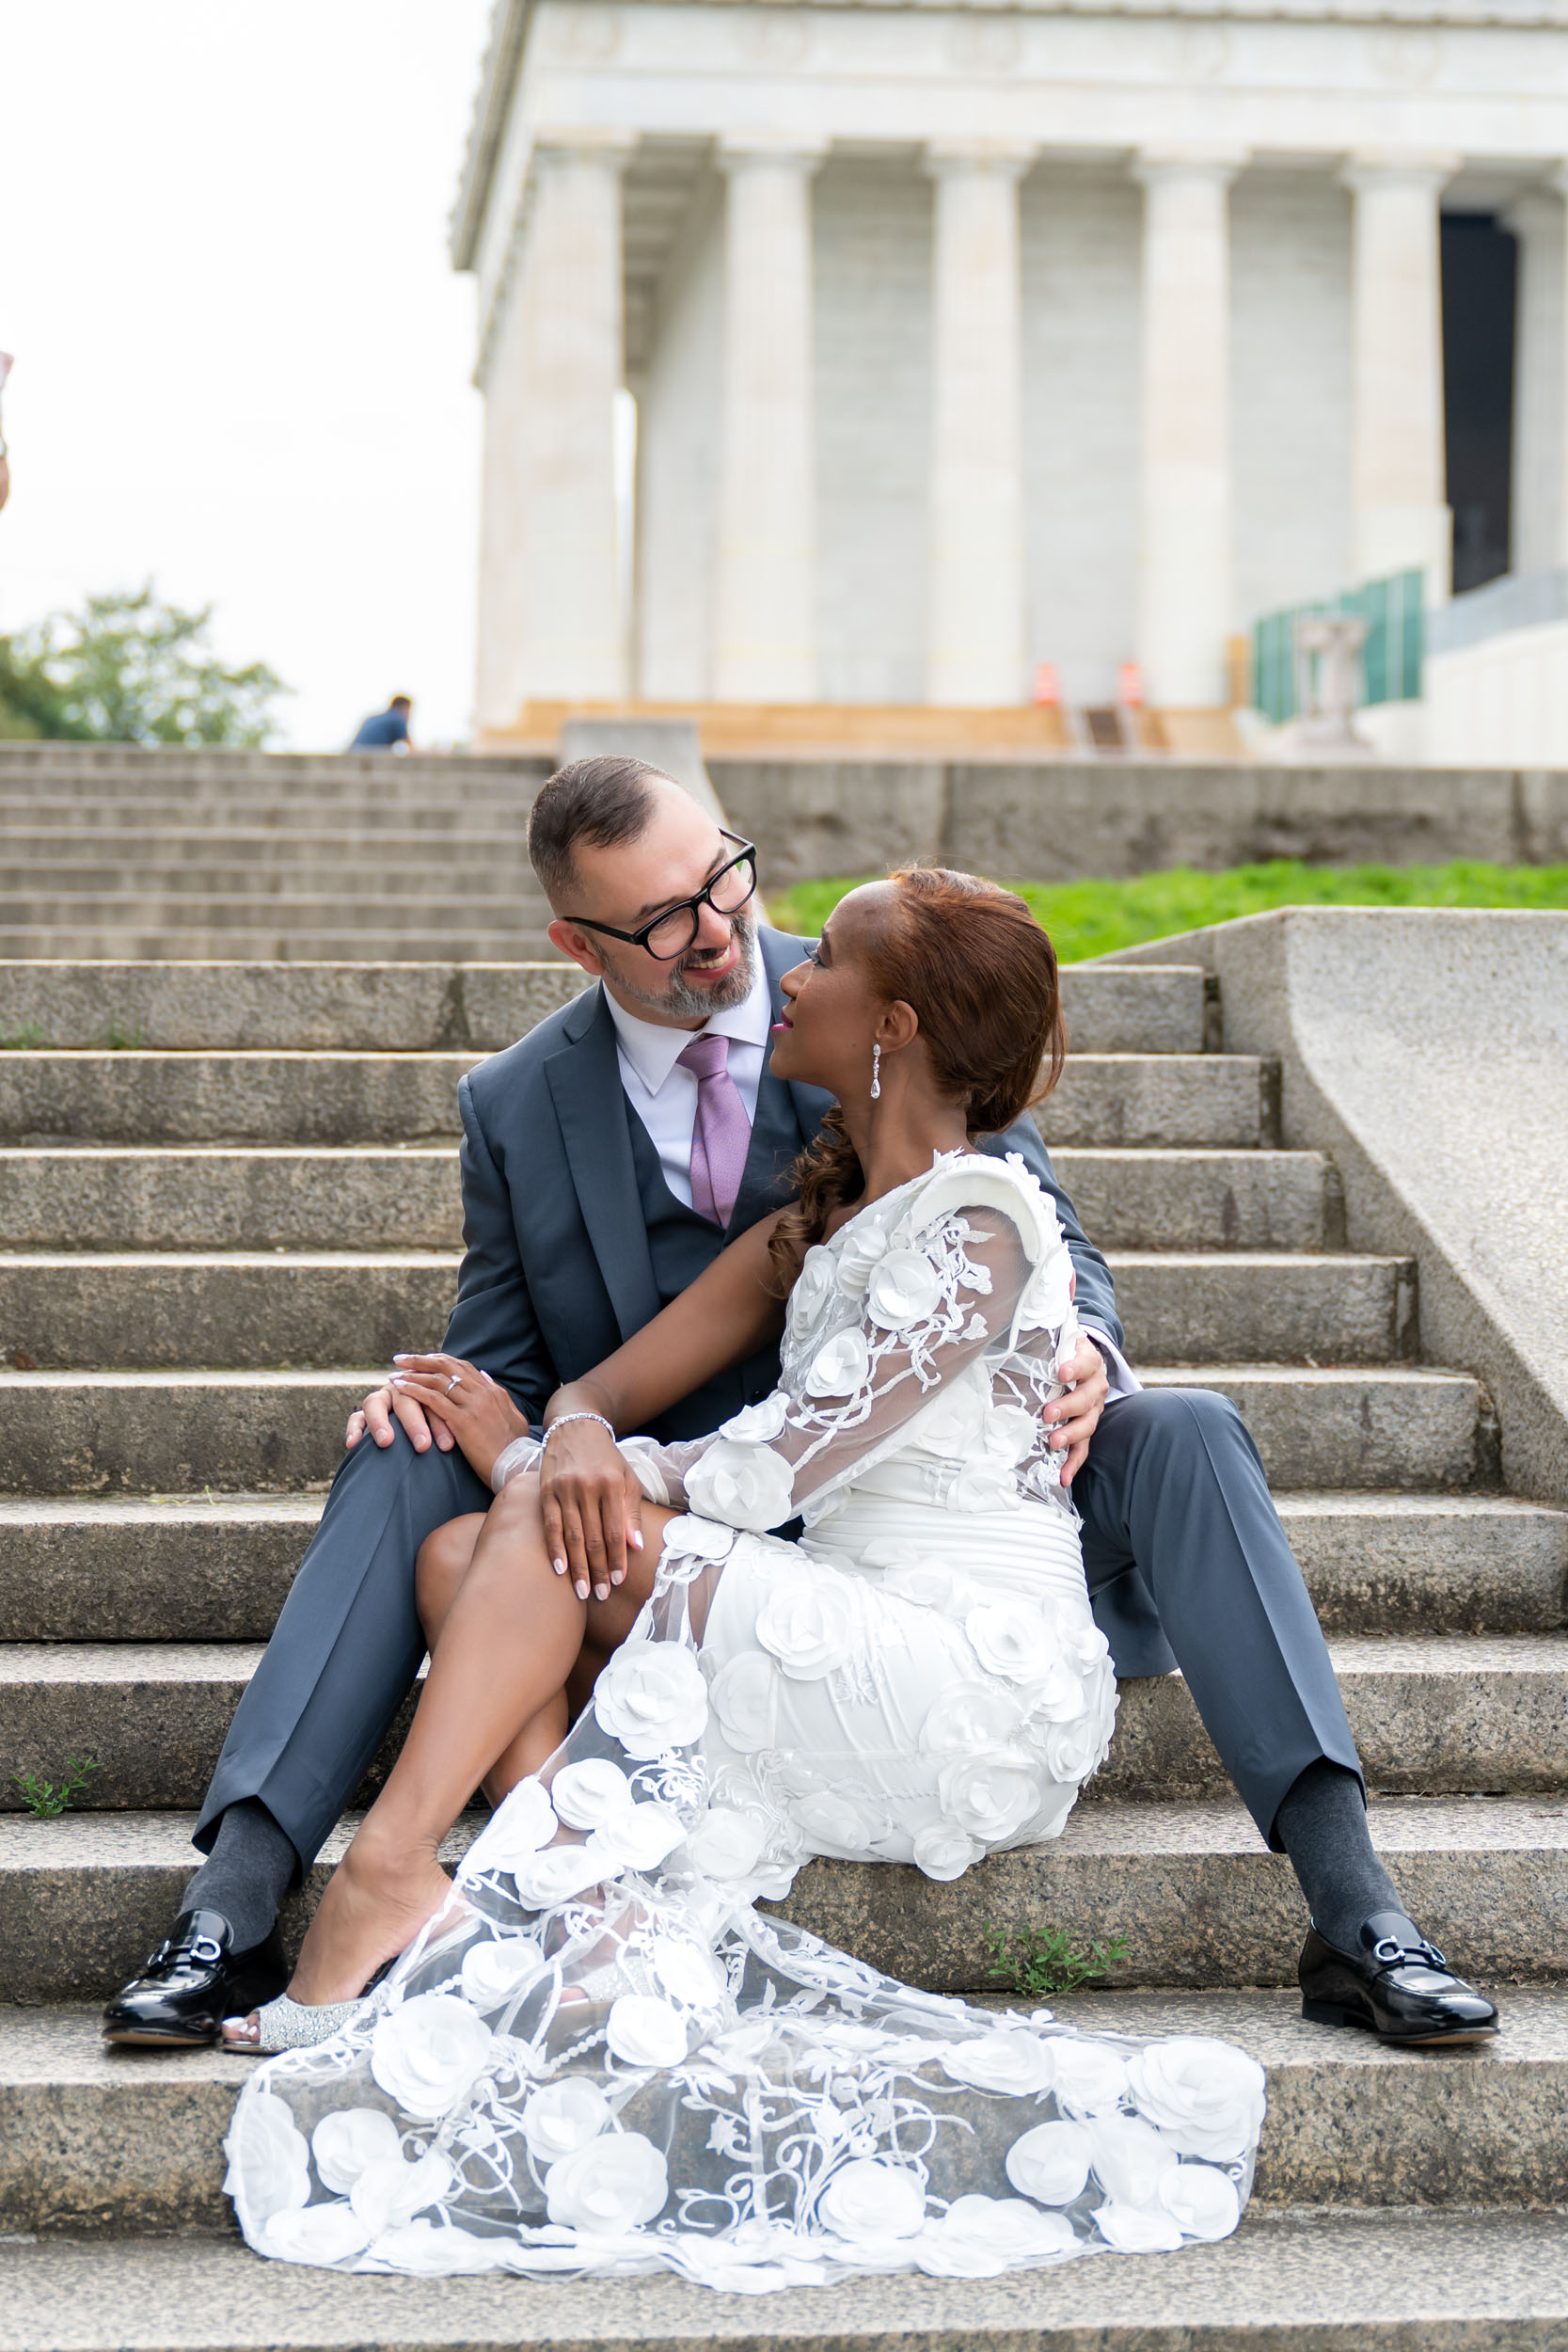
(383, 1409)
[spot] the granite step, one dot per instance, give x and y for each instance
(225, 1005)
(130, 2141)
(1263, 1306)
(483, 872)
(1386, 1427)
(1153, 1199)
(194, 1568)
(123, 857)
(161, 1433)
(1289, 2280)
(1433, 1716)
(369, 1196)
(326, 816)
(1111, 1008)
(136, 1096)
(229, 1006)
(167, 909)
(1201, 1903)
(1430, 1563)
(208, 1197)
(247, 1310)
(259, 942)
(277, 1307)
(170, 1568)
(126, 772)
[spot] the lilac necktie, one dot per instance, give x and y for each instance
(721, 1134)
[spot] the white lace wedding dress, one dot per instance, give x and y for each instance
(603, 2058)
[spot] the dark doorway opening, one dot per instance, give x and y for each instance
(1480, 273)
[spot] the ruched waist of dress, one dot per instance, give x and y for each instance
(1022, 1547)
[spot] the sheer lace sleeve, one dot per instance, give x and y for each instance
(878, 1327)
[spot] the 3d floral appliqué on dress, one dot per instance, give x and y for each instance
(603, 2058)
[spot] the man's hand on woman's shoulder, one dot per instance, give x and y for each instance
(1074, 1418)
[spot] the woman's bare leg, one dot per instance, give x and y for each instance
(445, 1558)
(509, 1638)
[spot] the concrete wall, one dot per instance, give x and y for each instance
(1046, 821)
(1426, 1050)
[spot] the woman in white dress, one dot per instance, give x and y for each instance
(595, 2054)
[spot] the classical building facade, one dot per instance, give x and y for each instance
(880, 353)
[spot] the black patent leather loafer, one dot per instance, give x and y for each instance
(1396, 1986)
(192, 1983)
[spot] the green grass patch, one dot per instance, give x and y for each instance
(1091, 918)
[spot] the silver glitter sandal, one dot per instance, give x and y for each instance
(285, 2025)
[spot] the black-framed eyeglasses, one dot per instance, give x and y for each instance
(669, 934)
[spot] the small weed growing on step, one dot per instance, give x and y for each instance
(1036, 1961)
(123, 1037)
(24, 1041)
(43, 1800)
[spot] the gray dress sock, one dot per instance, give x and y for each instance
(1322, 1827)
(248, 1873)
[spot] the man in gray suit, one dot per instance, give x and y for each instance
(583, 1214)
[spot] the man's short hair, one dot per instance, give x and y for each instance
(400, 702)
(603, 802)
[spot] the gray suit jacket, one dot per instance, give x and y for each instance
(557, 1272)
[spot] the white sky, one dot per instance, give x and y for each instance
(242, 355)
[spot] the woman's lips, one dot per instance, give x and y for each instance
(782, 1025)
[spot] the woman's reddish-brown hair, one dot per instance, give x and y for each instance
(980, 975)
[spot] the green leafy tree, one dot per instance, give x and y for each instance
(129, 669)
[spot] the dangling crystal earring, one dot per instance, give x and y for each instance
(875, 1072)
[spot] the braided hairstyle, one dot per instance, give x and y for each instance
(980, 974)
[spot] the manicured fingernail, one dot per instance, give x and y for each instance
(582, 1592)
(635, 1539)
(601, 1592)
(402, 1357)
(560, 1566)
(617, 1576)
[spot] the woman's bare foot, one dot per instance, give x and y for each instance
(372, 1908)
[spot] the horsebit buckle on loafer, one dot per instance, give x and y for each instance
(204, 1951)
(1390, 1953)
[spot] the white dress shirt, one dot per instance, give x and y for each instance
(664, 1096)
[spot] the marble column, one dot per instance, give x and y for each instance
(551, 625)
(765, 585)
(977, 649)
(1402, 519)
(1185, 584)
(1540, 332)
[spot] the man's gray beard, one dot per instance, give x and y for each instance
(680, 1003)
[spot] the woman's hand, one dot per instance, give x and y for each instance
(592, 1507)
(477, 1409)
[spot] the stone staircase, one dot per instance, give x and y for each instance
(211, 1237)
(108, 850)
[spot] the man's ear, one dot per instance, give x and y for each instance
(578, 946)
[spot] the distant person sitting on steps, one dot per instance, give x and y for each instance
(387, 730)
